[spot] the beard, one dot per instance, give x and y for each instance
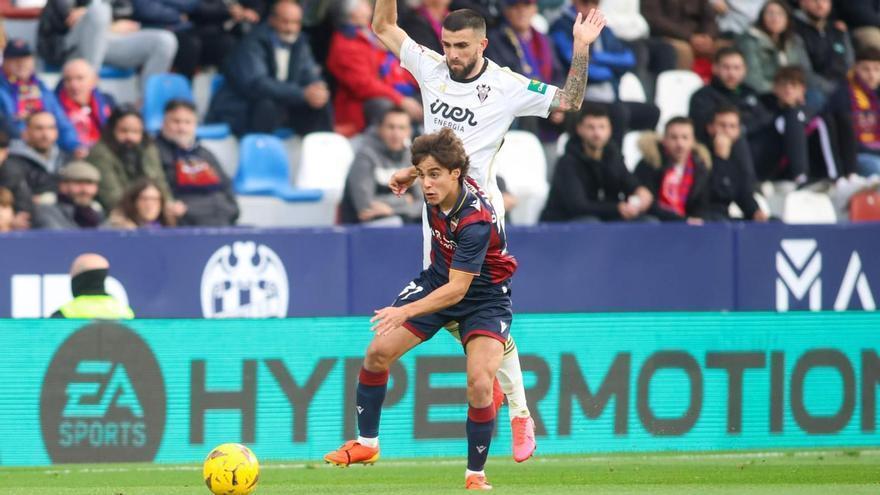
(462, 72)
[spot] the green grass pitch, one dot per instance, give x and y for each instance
(800, 472)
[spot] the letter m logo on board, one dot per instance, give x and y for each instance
(798, 266)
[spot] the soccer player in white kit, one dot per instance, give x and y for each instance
(479, 100)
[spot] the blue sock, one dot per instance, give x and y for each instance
(480, 425)
(370, 395)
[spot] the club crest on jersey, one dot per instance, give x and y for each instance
(453, 224)
(483, 92)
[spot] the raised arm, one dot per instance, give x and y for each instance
(585, 31)
(385, 25)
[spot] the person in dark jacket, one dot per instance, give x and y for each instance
(272, 80)
(863, 19)
(23, 94)
(730, 180)
(11, 180)
(689, 25)
(591, 181)
(855, 111)
(727, 86)
(76, 207)
(86, 106)
(102, 32)
(676, 171)
(220, 25)
(828, 47)
(193, 172)
(367, 197)
(34, 161)
(173, 15)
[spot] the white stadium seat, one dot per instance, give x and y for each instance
(324, 163)
(522, 164)
(807, 207)
(632, 155)
(631, 89)
(674, 91)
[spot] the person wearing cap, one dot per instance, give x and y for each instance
(23, 94)
(90, 299)
(76, 207)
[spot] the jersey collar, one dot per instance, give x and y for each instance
(472, 79)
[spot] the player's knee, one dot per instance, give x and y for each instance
(378, 358)
(479, 388)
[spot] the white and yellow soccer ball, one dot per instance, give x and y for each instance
(231, 469)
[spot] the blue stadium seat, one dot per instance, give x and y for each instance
(263, 170)
(162, 88)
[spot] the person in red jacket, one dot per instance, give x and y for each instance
(369, 78)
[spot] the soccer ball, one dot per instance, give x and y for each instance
(231, 469)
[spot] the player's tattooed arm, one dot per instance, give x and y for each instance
(584, 32)
(571, 96)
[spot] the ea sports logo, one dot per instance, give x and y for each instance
(103, 398)
(244, 280)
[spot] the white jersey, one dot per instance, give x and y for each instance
(479, 110)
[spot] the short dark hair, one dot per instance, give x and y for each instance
(725, 52)
(725, 108)
(868, 54)
(790, 74)
(446, 149)
(177, 103)
(678, 121)
(465, 19)
(396, 109)
(593, 110)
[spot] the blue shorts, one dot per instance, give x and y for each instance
(483, 311)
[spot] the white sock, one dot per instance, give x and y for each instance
(368, 442)
(468, 472)
(511, 379)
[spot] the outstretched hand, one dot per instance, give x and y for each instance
(401, 181)
(586, 31)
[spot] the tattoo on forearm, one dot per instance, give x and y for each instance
(572, 95)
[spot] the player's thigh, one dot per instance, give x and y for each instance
(484, 356)
(386, 349)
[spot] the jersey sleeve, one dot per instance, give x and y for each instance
(417, 59)
(472, 245)
(530, 97)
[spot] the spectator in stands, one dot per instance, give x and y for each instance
(730, 180)
(272, 80)
(728, 86)
(23, 94)
(863, 19)
(735, 17)
(124, 154)
(609, 60)
(653, 55)
(591, 182)
(385, 150)
(174, 16)
(855, 108)
(76, 207)
(829, 49)
(796, 143)
(194, 173)
(676, 171)
(35, 159)
(369, 78)
(143, 205)
(12, 180)
(88, 274)
(7, 212)
(103, 32)
(423, 22)
(689, 25)
(220, 25)
(85, 105)
(770, 44)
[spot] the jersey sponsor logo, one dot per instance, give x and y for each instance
(444, 112)
(244, 280)
(537, 86)
(447, 244)
(483, 92)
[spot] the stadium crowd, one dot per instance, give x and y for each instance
(791, 100)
